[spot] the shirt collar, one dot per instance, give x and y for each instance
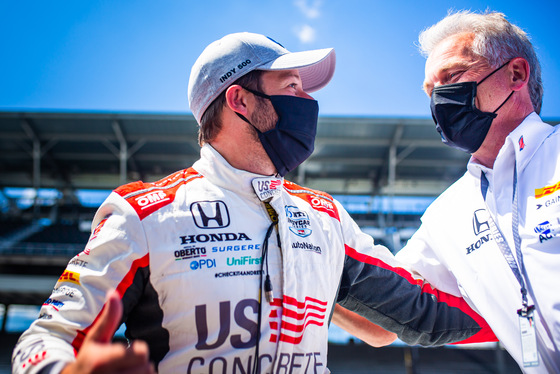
(523, 141)
(526, 139)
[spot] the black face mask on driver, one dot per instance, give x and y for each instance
(292, 140)
(460, 123)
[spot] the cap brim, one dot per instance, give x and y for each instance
(316, 67)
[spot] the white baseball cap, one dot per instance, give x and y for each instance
(229, 58)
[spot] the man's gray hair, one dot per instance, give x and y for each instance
(495, 39)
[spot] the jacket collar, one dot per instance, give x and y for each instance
(219, 172)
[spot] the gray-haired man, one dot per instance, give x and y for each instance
(493, 236)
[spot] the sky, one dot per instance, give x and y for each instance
(135, 56)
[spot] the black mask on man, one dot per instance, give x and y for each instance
(460, 123)
(292, 140)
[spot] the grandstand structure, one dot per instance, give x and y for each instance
(377, 160)
(367, 161)
(371, 164)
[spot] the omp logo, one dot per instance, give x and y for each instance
(150, 199)
(70, 276)
(321, 203)
(545, 191)
(480, 221)
(210, 214)
(290, 318)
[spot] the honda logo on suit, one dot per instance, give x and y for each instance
(210, 214)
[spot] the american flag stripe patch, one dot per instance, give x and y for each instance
(296, 316)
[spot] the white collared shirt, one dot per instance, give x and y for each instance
(454, 250)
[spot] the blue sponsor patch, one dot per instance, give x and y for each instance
(298, 221)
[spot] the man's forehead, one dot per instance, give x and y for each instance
(452, 53)
(280, 77)
(453, 49)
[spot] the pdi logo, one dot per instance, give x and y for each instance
(203, 264)
(210, 214)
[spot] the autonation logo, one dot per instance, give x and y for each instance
(307, 247)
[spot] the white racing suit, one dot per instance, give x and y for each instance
(186, 255)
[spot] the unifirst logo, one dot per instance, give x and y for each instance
(245, 260)
(151, 198)
(545, 191)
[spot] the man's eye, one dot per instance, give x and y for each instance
(456, 74)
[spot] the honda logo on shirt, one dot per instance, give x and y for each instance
(210, 214)
(480, 221)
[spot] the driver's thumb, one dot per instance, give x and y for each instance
(109, 320)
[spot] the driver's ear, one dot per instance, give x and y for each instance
(237, 99)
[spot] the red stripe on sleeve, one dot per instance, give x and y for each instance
(484, 335)
(121, 288)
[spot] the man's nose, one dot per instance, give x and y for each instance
(304, 95)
